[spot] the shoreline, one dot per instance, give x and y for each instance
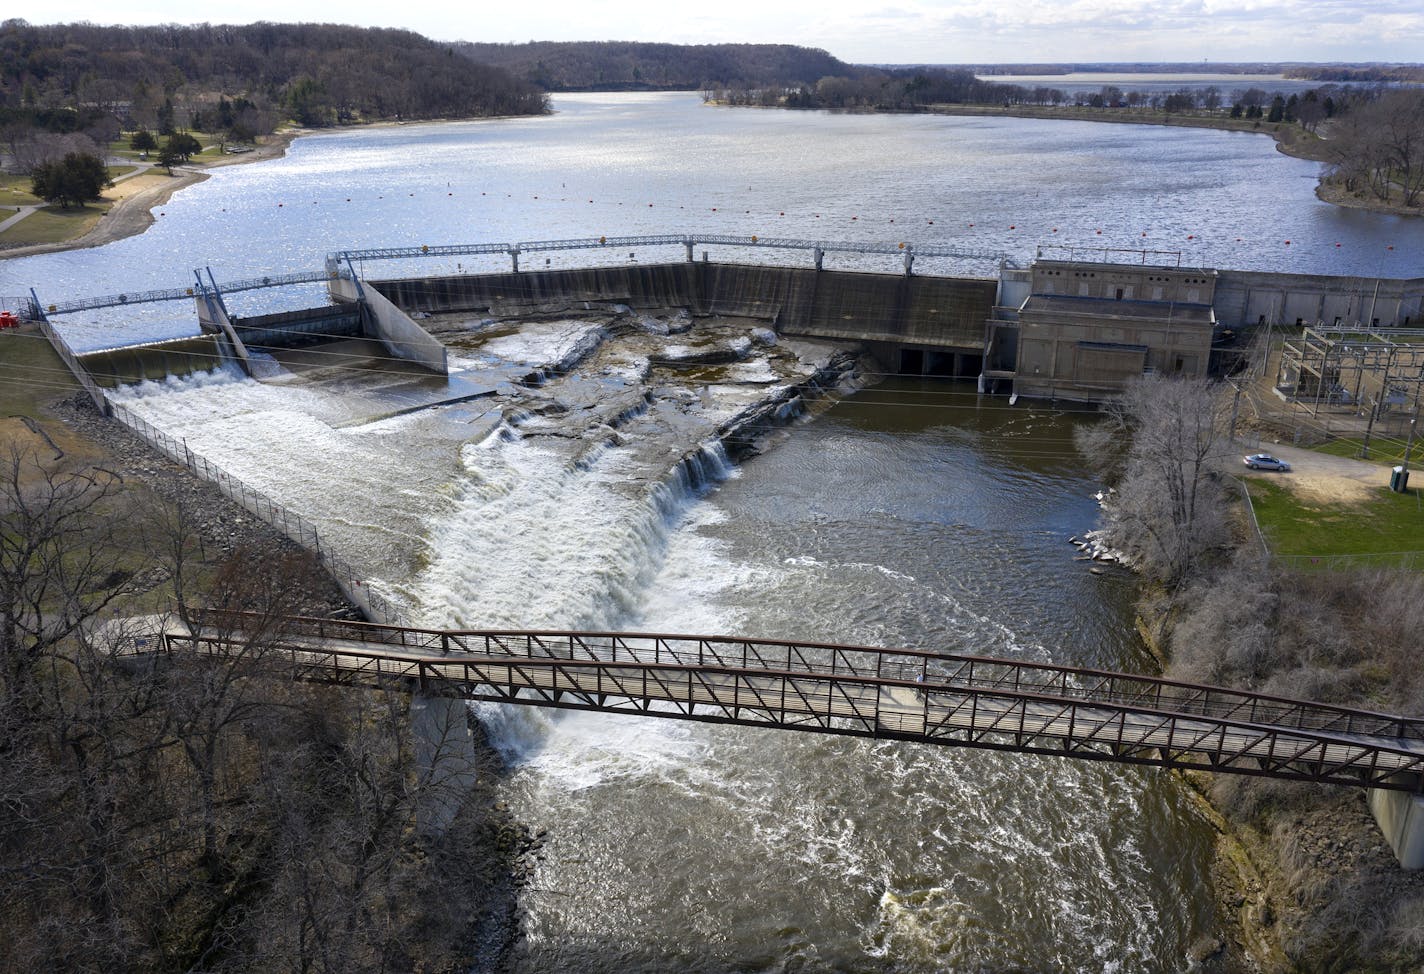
(132, 215)
(1289, 140)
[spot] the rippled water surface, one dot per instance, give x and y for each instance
(664, 163)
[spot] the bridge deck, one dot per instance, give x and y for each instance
(864, 691)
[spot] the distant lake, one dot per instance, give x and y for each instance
(1080, 82)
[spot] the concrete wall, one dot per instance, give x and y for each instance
(445, 758)
(652, 286)
(286, 328)
(212, 318)
(1119, 282)
(1246, 298)
(1401, 818)
(932, 312)
(401, 336)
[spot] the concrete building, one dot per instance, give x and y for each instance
(1086, 328)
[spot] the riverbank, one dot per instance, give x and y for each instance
(135, 199)
(480, 864)
(1303, 878)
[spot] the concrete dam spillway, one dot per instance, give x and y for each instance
(940, 315)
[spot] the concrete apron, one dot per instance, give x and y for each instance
(1400, 816)
(445, 759)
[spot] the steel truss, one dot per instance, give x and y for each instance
(661, 240)
(182, 293)
(972, 701)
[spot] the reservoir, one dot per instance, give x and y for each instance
(627, 164)
(892, 513)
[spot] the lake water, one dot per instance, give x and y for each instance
(1079, 82)
(909, 514)
(664, 163)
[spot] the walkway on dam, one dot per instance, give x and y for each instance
(863, 691)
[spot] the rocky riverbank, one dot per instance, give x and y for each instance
(1304, 880)
(499, 850)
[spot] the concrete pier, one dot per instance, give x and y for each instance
(1400, 817)
(445, 758)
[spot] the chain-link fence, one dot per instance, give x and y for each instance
(299, 529)
(81, 374)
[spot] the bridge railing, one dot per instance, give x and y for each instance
(921, 668)
(1001, 717)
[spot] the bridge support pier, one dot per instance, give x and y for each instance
(445, 758)
(1400, 817)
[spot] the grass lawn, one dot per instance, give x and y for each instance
(31, 377)
(1385, 452)
(1386, 523)
(15, 190)
(51, 224)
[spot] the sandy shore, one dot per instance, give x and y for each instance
(137, 197)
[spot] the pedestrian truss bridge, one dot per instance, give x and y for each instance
(900, 694)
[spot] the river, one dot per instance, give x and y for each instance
(913, 514)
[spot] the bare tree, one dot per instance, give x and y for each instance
(1163, 443)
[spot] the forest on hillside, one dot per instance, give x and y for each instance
(73, 77)
(630, 66)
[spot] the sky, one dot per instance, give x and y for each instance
(904, 32)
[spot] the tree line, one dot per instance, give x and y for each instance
(908, 89)
(1376, 147)
(163, 813)
(624, 65)
(83, 78)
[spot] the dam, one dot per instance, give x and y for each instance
(526, 507)
(1074, 325)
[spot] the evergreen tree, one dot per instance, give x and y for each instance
(78, 177)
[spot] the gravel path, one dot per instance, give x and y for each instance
(1322, 478)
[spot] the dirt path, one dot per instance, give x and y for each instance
(1322, 478)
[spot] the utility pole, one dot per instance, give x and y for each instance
(1365, 446)
(1409, 444)
(1235, 409)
